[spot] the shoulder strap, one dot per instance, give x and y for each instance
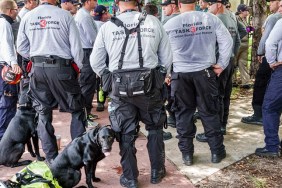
(119, 23)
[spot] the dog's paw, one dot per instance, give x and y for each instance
(40, 158)
(95, 179)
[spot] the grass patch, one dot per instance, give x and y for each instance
(258, 182)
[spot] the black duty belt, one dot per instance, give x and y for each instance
(39, 61)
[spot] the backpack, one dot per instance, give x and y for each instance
(35, 175)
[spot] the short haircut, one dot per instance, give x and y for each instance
(151, 9)
(6, 4)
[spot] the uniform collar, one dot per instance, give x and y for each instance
(8, 18)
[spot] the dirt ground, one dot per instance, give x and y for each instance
(250, 172)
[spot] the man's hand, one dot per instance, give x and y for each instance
(260, 57)
(217, 69)
(167, 80)
(275, 65)
(16, 69)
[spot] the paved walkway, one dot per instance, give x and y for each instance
(240, 141)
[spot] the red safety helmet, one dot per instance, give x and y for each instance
(9, 76)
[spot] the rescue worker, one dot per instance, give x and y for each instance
(264, 72)
(272, 103)
(217, 7)
(128, 108)
(242, 56)
(101, 15)
(49, 37)
(8, 93)
(87, 32)
(28, 6)
(203, 5)
(69, 5)
(152, 9)
(193, 36)
(171, 9)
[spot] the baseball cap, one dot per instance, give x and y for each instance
(168, 2)
(187, 1)
(242, 8)
(65, 1)
(99, 11)
(217, 1)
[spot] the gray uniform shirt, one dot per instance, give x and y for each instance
(193, 36)
(48, 30)
(169, 17)
(87, 28)
(230, 22)
(7, 47)
(23, 12)
(155, 44)
(267, 27)
(273, 45)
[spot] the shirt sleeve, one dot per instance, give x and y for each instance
(23, 46)
(75, 44)
(267, 29)
(90, 30)
(99, 54)
(164, 50)
(225, 44)
(271, 45)
(8, 50)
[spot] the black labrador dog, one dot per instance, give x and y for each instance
(21, 130)
(86, 151)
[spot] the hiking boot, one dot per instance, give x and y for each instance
(201, 137)
(127, 183)
(100, 107)
(167, 135)
(92, 117)
(217, 157)
(187, 159)
(263, 152)
(157, 175)
(254, 120)
(171, 121)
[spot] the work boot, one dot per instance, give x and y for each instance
(187, 159)
(171, 121)
(254, 120)
(201, 137)
(157, 175)
(92, 117)
(167, 135)
(217, 157)
(263, 152)
(128, 183)
(100, 107)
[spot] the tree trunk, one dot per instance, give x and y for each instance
(259, 14)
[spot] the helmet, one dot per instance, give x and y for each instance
(9, 76)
